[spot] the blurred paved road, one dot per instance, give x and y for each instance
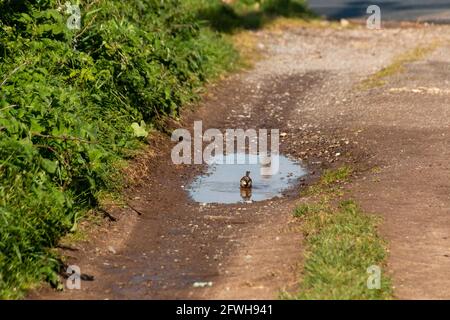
(437, 11)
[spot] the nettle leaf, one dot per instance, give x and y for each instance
(25, 18)
(36, 127)
(139, 130)
(49, 166)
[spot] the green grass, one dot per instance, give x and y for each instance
(329, 181)
(341, 174)
(249, 14)
(342, 242)
(68, 101)
(378, 79)
(306, 209)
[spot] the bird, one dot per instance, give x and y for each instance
(246, 181)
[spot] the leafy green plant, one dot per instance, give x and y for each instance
(67, 102)
(73, 103)
(140, 130)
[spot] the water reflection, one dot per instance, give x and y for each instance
(220, 184)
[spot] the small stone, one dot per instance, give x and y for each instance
(112, 250)
(344, 23)
(202, 284)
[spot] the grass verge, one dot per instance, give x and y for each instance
(234, 15)
(76, 103)
(378, 79)
(342, 243)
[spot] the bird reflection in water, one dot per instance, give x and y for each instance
(246, 194)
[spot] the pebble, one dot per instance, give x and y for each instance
(202, 284)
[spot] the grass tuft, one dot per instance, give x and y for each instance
(378, 79)
(306, 209)
(327, 185)
(342, 242)
(341, 174)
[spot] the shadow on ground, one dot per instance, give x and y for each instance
(228, 17)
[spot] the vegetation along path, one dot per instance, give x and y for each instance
(372, 101)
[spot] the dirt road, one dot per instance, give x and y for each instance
(308, 86)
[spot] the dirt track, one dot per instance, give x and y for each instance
(306, 86)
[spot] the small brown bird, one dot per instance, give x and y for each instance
(246, 181)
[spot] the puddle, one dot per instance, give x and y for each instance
(220, 184)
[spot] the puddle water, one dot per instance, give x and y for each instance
(220, 184)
